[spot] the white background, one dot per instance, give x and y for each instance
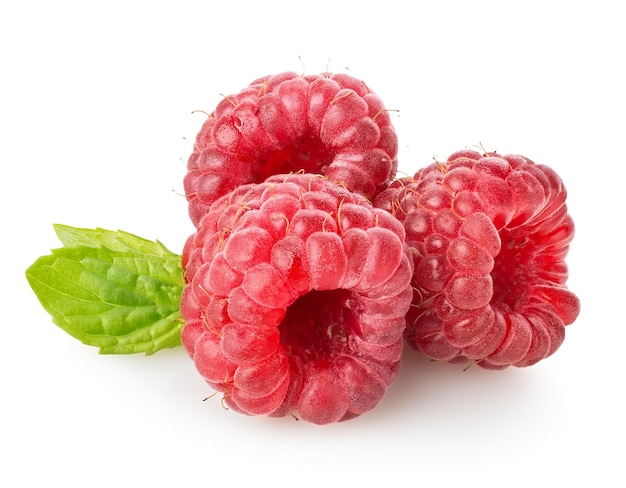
(95, 129)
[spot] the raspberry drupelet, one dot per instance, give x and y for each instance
(296, 297)
(489, 235)
(329, 124)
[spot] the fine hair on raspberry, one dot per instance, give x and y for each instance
(296, 297)
(489, 235)
(329, 124)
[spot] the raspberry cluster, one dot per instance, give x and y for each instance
(312, 263)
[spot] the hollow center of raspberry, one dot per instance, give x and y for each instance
(512, 271)
(307, 154)
(318, 324)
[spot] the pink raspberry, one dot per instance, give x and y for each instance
(296, 299)
(330, 124)
(489, 235)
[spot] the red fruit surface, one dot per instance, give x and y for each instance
(329, 124)
(296, 297)
(489, 235)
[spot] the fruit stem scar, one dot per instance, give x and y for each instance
(404, 175)
(195, 146)
(442, 166)
(321, 177)
(210, 396)
(345, 95)
(326, 218)
(272, 189)
(303, 66)
(243, 208)
(204, 290)
(306, 204)
(286, 219)
(417, 290)
(453, 206)
(223, 403)
(429, 299)
(342, 184)
(482, 149)
(208, 327)
(469, 365)
(339, 224)
(201, 112)
(262, 90)
(416, 251)
(407, 190)
(223, 235)
(395, 207)
(229, 99)
(384, 110)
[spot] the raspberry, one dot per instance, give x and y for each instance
(489, 235)
(330, 124)
(296, 297)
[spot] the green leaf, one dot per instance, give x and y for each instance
(112, 290)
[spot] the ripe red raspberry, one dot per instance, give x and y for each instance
(489, 235)
(330, 124)
(296, 299)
